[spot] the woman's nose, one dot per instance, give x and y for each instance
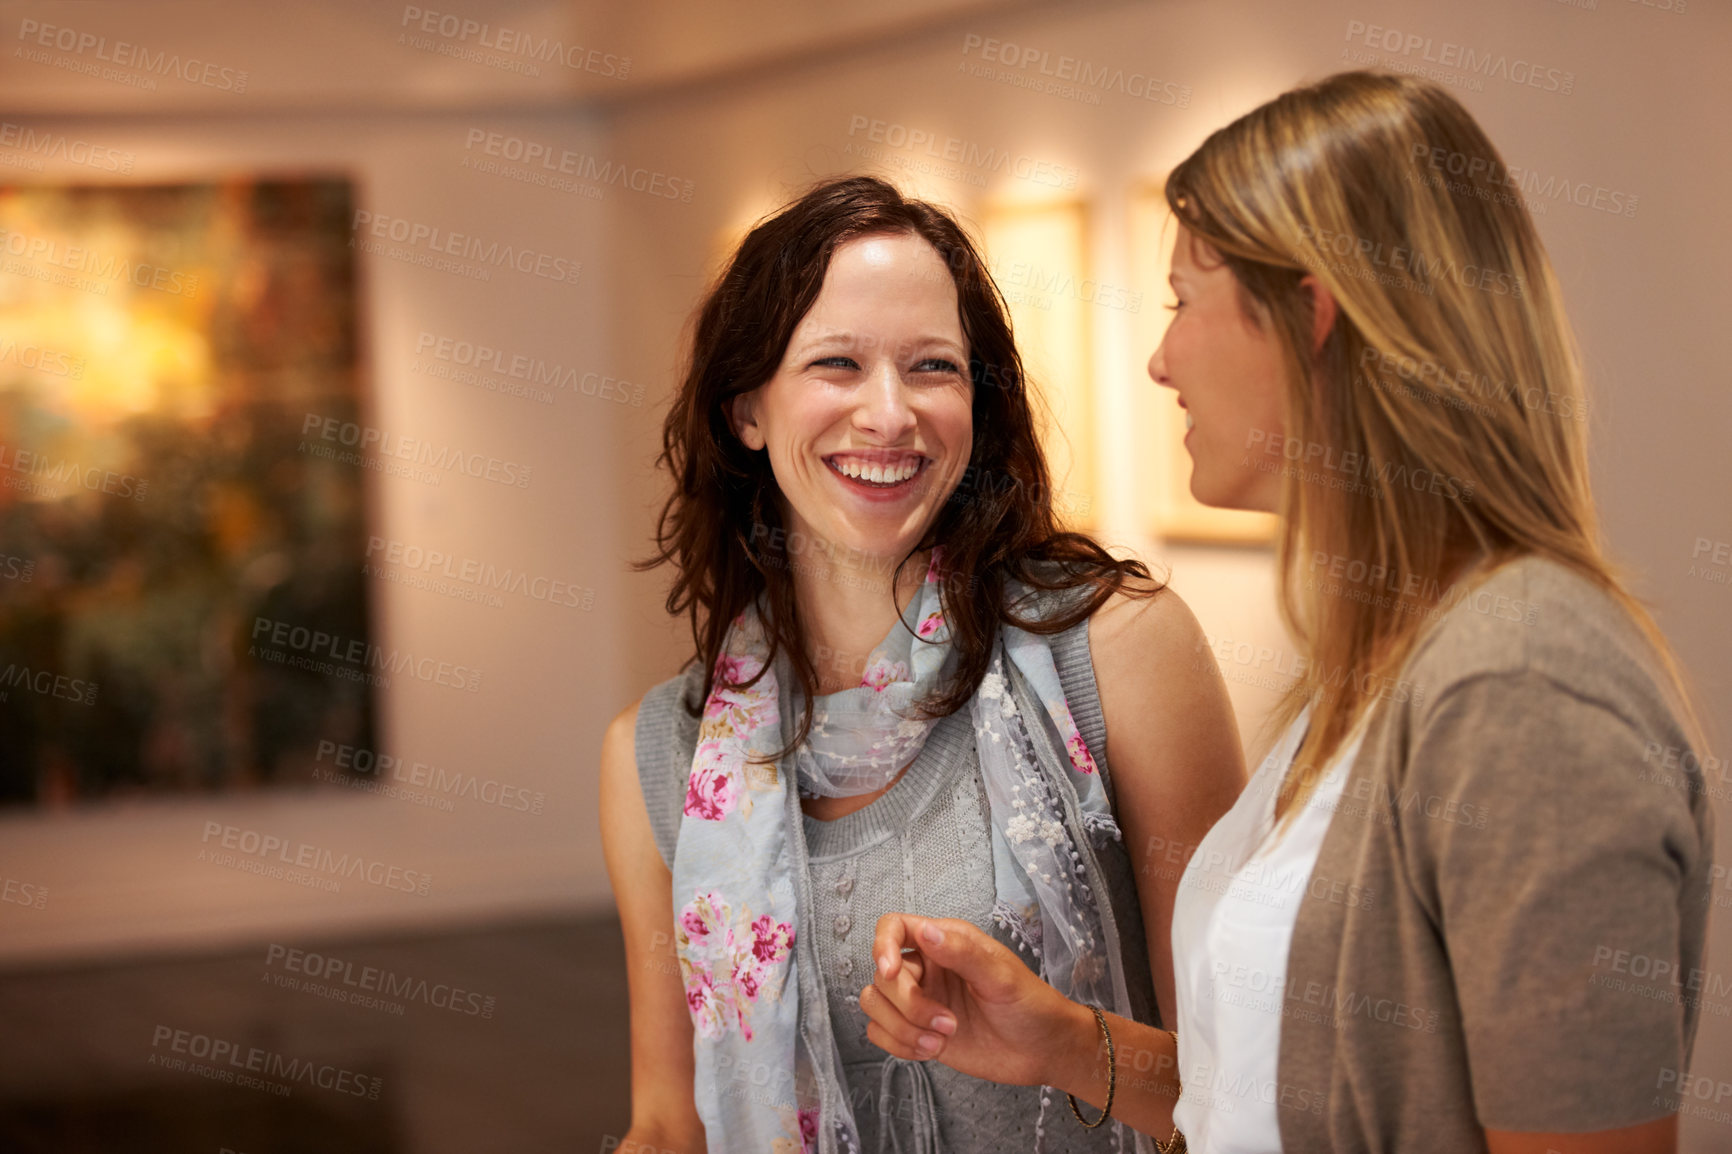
(884, 410)
(1158, 366)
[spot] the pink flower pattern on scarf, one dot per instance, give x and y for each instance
(881, 672)
(730, 716)
(729, 964)
(731, 961)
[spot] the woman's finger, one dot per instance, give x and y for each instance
(965, 950)
(914, 1000)
(877, 1035)
(892, 934)
(910, 988)
(895, 950)
(887, 1029)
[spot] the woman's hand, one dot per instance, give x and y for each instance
(990, 1015)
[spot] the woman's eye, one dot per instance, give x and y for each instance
(835, 363)
(936, 365)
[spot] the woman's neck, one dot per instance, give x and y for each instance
(845, 611)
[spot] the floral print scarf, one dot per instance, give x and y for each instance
(766, 1072)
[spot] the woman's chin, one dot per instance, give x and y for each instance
(1209, 491)
(867, 550)
(855, 545)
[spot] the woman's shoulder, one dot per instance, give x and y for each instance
(665, 739)
(1139, 645)
(1538, 698)
(662, 709)
(1141, 630)
(1535, 618)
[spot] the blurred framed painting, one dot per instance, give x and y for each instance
(166, 534)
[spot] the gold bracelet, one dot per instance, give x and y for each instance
(1112, 1076)
(1175, 1144)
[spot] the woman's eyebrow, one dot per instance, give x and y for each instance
(855, 342)
(826, 337)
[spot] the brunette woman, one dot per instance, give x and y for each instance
(908, 689)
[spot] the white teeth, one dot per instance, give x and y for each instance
(1188, 421)
(876, 473)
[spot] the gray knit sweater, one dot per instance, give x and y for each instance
(923, 847)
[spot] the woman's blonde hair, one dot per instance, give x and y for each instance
(1440, 431)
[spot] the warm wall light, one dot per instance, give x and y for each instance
(726, 240)
(1036, 254)
(1169, 510)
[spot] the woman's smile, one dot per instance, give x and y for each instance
(878, 475)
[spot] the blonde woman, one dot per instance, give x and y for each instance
(1421, 926)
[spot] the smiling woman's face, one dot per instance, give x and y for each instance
(868, 420)
(1229, 375)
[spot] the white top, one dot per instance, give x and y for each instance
(1232, 924)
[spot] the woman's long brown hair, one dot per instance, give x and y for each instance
(1389, 192)
(723, 525)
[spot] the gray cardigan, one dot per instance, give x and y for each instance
(1505, 924)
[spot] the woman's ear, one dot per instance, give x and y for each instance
(742, 411)
(1322, 310)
